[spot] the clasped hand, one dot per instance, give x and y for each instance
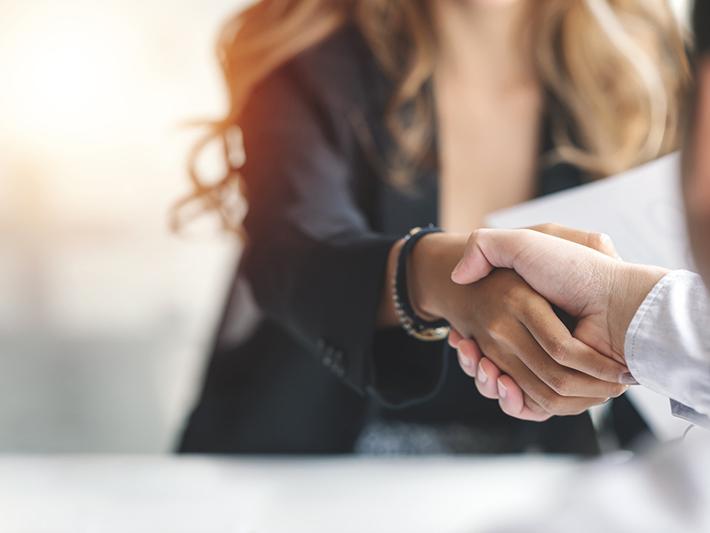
(505, 328)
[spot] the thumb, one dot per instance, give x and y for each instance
(487, 249)
(474, 265)
(560, 271)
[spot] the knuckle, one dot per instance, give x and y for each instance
(560, 383)
(508, 291)
(549, 227)
(538, 411)
(528, 310)
(535, 408)
(558, 350)
(598, 241)
(565, 410)
(554, 382)
(618, 390)
(517, 296)
(489, 346)
(509, 299)
(606, 372)
(499, 328)
(548, 402)
(558, 406)
(579, 408)
(473, 239)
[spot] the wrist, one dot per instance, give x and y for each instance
(430, 265)
(632, 284)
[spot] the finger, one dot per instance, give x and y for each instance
(600, 242)
(561, 379)
(539, 414)
(513, 403)
(454, 338)
(550, 265)
(486, 378)
(474, 265)
(469, 355)
(487, 249)
(556, 340)
(552, 402)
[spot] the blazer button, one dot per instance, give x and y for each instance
(339, 363)
(330, 351)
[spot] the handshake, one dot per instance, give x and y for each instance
(500, 300)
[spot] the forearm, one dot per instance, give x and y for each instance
(404, 370)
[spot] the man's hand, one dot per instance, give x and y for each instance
(602, 293)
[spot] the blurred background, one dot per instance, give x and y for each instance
(106, 316)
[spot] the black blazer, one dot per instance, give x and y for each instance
(322, 218)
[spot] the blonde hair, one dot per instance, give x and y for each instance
(616, 71)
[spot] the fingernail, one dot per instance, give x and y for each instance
(465, 362)
(482, 377)
(502, 390)
(628, 379)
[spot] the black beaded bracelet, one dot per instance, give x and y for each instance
(413, 324)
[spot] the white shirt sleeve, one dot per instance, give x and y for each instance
(667, 345)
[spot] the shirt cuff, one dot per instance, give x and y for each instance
(689, 414)
(638, 344)
(665, 345)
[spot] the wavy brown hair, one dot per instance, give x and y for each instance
(616, 71)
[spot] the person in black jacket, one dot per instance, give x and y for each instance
(362, 120)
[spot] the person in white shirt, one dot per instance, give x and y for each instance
(655, 322)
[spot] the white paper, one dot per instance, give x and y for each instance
(642, 211)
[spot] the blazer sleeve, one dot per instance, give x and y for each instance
(313, 261)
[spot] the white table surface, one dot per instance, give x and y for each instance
(81, 494)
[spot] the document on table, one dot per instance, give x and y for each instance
(642, 211)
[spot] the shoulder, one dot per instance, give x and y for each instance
(334, 88)
(341, 68)
(337, 75)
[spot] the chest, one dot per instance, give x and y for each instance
(452, 197)
(488, 154)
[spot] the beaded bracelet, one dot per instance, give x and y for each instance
(411, 323)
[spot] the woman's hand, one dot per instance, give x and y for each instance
(520, 333)
(492, 383)
(517, 330)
